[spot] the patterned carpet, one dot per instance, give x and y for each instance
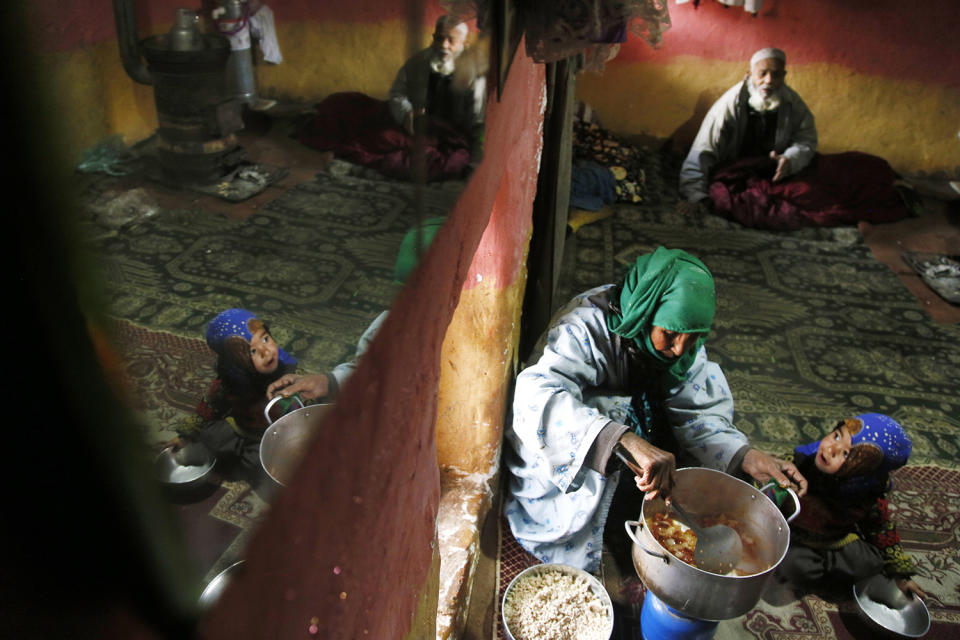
(316, 262)
(168, 373)
(923, 502)
(809, 326)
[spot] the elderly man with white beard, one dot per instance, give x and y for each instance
(427, 85)
(759, 116)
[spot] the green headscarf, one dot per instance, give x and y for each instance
(668, 288)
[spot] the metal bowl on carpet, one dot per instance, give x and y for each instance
(286, 440)
(692, 591)
(187, 468)
(217, 586)
(885, 607)
(554, 597)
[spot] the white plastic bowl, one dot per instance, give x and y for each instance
(594, 585)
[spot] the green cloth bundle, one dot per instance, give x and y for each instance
(416, 241)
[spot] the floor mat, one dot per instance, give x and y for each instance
(168, 373)
(809, 327)
(923, 502)
(317, 262)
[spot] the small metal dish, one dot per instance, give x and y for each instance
(187, 468)
(594, 585)
(216, 587)
(880, 601)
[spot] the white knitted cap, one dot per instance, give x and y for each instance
(769, 52)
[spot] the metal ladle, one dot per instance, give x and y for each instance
(719, 547)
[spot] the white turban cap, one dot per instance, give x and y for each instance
(767, 53)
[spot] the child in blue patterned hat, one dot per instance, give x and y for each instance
(844, 529)
(229, 417)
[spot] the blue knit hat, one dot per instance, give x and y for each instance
(879, 447)
(235, 323)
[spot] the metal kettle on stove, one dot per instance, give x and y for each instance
(198, 116)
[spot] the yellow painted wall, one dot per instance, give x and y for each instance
(912, 124)
(477, 363)
(325, 57)
(93, 97)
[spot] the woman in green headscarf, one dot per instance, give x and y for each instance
(621, 365)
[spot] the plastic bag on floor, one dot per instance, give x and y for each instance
(109, 156)
(130, 206)
(940, 272)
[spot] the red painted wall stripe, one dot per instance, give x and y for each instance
(881, 37)
(70, 24)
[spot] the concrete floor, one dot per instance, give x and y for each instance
(936, 231)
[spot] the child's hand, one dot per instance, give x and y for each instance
(908, 586)
(176, 444)
(764, 467)
(275, 387)
(309, 387)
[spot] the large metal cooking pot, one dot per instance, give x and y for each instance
(285, 441)
(697, 593)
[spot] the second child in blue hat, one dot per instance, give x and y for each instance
(844, 530)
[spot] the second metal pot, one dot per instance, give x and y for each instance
(692, 591)
(286, 440)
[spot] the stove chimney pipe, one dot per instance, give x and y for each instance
(126, 20)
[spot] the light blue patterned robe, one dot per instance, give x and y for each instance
(556, 505)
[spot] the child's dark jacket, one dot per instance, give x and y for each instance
(827, 521)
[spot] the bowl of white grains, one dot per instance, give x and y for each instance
(556, 602)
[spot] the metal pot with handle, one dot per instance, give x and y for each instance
(285, 441)
(697, 593)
